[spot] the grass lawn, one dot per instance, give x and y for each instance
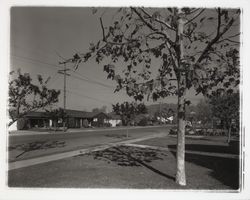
(131, 167)
(213, 144)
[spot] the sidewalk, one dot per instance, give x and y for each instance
(58, 156)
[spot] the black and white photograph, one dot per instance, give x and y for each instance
(128, 98)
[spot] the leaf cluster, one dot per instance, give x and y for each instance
(140, 37)
(24, 96)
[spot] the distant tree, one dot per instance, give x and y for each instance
(143, 121)
(194, 48)
(226, 108)
(128, 111)
(203, 111)
(95, 110)
(24, 96)
(22, 124)
(164, 113)
(98, 110)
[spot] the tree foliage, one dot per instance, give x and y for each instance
(24, 96)
(164, 112)
(22, 124)
(159, 52)
(139, 36)
(128, 110)
(98, 110)
(204, 111)
(226, 108)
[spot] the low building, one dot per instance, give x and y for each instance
(114, 120)
(100, 120)
(73, 118)
(37, 120)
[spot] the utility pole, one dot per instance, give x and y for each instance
(63, 71)
(160, 111)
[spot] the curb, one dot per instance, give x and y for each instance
(24, 133)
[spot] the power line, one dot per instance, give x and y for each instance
(37, 61)
(83, 78)
(53, 79)
(92, 81)
(79, 77)
(83, 95)
(37, 51)
(88, 97)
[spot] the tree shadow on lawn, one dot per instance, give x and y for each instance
(209, 148)
(226, 170)
(37, 145)
(131, 157)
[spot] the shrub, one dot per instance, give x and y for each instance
(199, 132)
(173, 132)
(22, 124)
(143, 122)
(85, 123)
(119, 124)
(107, 124)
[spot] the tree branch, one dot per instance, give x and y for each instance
(226, 39)
(219, 21)
(216, 38)
(143, 20)
(218, 54)
(193, 11)
(103, 32)
(157, 33)
(173, 59)
(113, 43)
(197, 15)
(158, 20)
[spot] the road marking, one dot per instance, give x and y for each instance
(58, 156)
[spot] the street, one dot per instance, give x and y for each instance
(32, 145)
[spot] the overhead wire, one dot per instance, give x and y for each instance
(36, 61)
(79, 76)
(86, 96)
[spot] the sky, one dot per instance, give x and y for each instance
(41, 36)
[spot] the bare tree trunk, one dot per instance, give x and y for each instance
(180, 154)
(229, 133)
(181, 79)
(213, 125)
(55, 125)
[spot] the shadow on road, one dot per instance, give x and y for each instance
(225, 170)
(112, 135)
(131, 157)
(38, 145)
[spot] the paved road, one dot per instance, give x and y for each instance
(31, 146)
